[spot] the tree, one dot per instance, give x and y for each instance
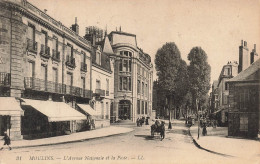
(172, 73)
(199, 76)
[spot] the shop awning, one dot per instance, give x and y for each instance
(10, 106)
(55, 111)
(88, 109)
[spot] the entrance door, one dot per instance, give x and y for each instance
(124, 109)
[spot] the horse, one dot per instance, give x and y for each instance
(158, 128)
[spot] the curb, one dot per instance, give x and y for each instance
(72, 141)
(202, 148)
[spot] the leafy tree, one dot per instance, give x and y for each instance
(172, 74)
(199, 76)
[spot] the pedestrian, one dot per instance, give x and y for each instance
(162, 133)
(137, 121)
(7, 141)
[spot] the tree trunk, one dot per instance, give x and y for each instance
(198, 118)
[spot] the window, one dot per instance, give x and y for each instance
(55, 44)
(130, 66)
(243, 123)
(146, 90)
(142, 87)
(55, 75)
(228, 71)
(138, 86)
(138, 69)
(226, 86)
(138, 106)
(125, 65)
(120, 65)
(142, 71)
(124, 83)
(146, 108)
(225, 101)
(83, 82)
(129, 84)
(69, 79)
(142, 107)
(31, 32)
(121, 83)
(43, 72)
(69, 52)
(30, 69)
(107, 82)
(243, 100)
(98, 86)
(107, 110)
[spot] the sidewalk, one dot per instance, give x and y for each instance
(74, 137)
(218, 142)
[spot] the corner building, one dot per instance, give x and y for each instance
(133, 77)
(45, 66)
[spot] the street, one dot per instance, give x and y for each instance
(133, 147)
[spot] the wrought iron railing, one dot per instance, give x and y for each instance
(70, 61)
(5, 79)
(56, 55)
(42, 85)
(83, 67)
(45, 51)
(31, 45)
(100, 92)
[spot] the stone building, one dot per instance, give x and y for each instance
(44, 65)
(133, 77)
(228, 71)
(244, 111)
(102, 75)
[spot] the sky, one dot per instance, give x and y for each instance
(216, 26)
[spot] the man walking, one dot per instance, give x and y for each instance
(7, 141)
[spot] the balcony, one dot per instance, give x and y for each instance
(5, 79)
(107, 93)
(83, 67)
(70, 61)
(42, 85)
(71, 90)
(45, 51)
(31, 45)
(100, 92)
(85, 93)
(55, 55)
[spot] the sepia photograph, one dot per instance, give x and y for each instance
(129, 81)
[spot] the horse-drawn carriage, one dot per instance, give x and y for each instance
(158, 127)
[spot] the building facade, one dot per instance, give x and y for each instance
(133, 77)
(42, 62)
(244, 111)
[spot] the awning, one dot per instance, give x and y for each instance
(55, 111)
(10, 106)
(88, 109)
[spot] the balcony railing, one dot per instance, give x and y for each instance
(31, 45)
(55, 55)
(100, 92)
(71, 90)
(5, 79)
(107, 93)
(42, 85)
(83, 67)
(70, 61)
(45, 51)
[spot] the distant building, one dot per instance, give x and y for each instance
(133, 77)
(244, 110)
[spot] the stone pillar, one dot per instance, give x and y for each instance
(116, 110)
(15, 131)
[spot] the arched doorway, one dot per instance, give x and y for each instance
(124, 110)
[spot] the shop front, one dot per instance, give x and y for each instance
(10, 117)
(47, 118)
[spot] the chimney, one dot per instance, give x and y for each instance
(253, 54)
(75, 27)
(244, 58)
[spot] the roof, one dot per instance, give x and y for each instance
(244, 75)
(122, 33)
(55, 111)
